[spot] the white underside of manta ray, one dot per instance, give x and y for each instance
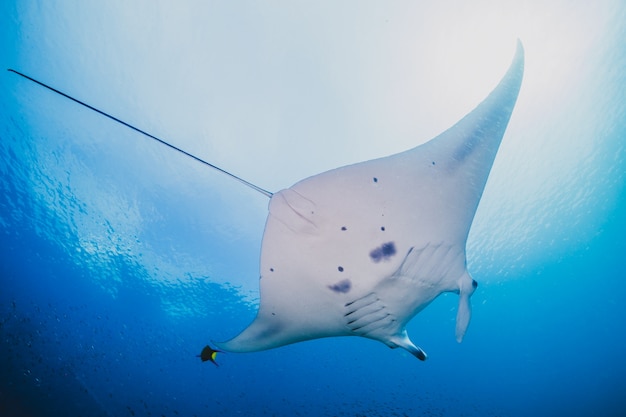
(361, 249)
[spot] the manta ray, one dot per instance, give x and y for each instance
(361, 249)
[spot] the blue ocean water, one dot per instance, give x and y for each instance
(122, 259)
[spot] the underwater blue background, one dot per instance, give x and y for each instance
(121, 259)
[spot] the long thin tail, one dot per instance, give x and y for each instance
(143, 132)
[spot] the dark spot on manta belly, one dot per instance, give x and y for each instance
(340, 268)
(342, 286)
(383, 252)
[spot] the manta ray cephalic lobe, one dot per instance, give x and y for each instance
(361, 249)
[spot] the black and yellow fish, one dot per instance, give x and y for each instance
(209, 354)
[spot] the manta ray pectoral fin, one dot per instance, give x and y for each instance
(402, 340)
(467, 286)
